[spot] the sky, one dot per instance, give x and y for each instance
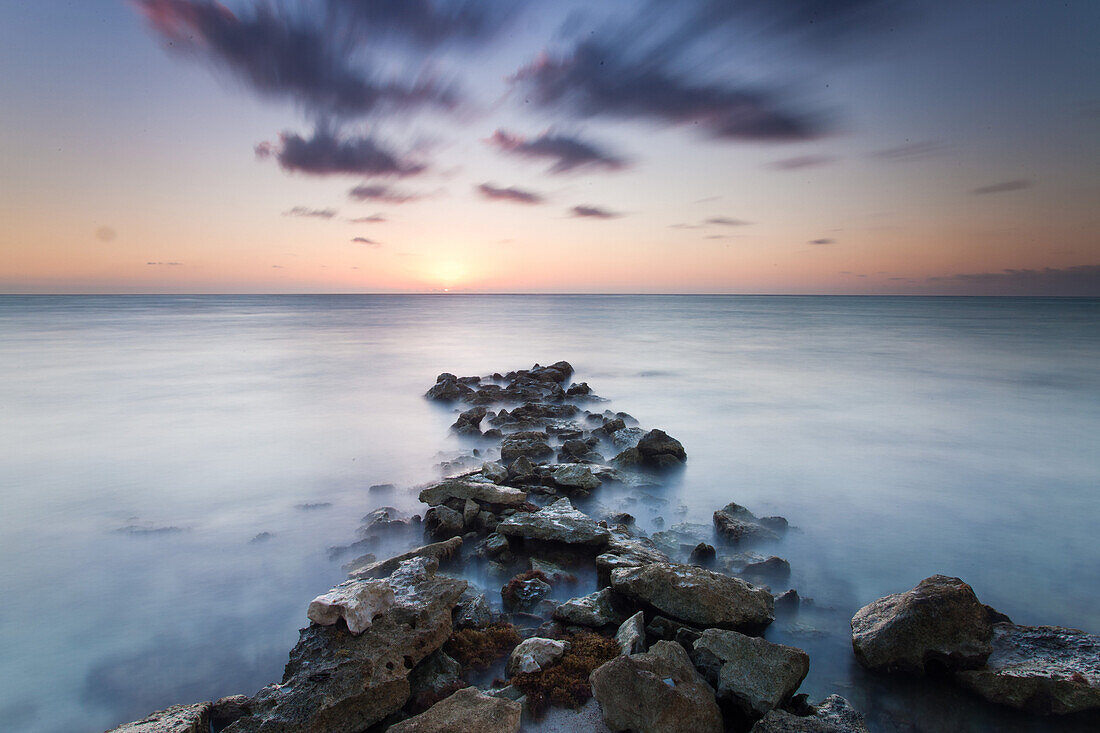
(702, 146)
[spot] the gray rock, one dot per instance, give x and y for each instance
(575, 478)
(559, 522)
(735, 523)
(437, 551)
(657, 691)
(752, 675)
(593, 610)
(472, 612)
(631, 635)
(176, 719)
(469, 709)
(480, 491)
(469, 422)
(435, 673)
(940, 621)
(531, 448)
(696, 595)
(494, 471)
(524, 595)
(494, 544)
(447, 390)
(228, 710)
(627, 438)
(535, 654)
(357, 602)
(660, 450)
(443, 522)
(833, 715)
(470, 510)
(1042, 669)
(773, 568)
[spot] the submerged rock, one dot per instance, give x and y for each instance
(1042, 669)
(735, 523)
(176, 719)
(357, 602)
(469, 709)
(833, 715)
(559, 522)
(940, 622)
(534, 654)
(751, 674)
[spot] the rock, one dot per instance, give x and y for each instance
(627, 437)
(384, 520)
(696, 595)
(787, 601)
(574, 478)
(494, 544)
(357, 602)
(752, 675)
(736, 523)
(775, 568)
(1042, 669)
(480, 491)
(702, 553)
(341, 683)
(628, 458)
(382, 488)
(833, 715)
(631, 635)
(176, 719)
(532, 655)
(656, 692)
(472, 612)
(593, 610)
(660, 450)
(437, 551)
(494, 471)
(778, 524)
(442, 522)
(576, 390)
(447, 389)
(522, 471)
(524, 591)
(434, 674)
(470, 510)
(940, 621)
(622, 518)
(469, 422)
(559, 522)
(514, 447)
(469, 709)
(229, 709)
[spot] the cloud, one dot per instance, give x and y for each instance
(326, 153)
(164, 264)
(726, 221)
(372, 219)
(1003, 187)
(569, 153)
(383, 193)
(801, 161)
(593, 212)
(368, 242)
(822, 241)
(314, 213)
(910, 151)
(518, 195)
(429, 22)
(682, 225)
(1077, 281)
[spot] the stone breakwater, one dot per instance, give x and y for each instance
(669, 639)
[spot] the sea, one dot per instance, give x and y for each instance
(178, 473)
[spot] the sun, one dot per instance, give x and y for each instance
(447, 274)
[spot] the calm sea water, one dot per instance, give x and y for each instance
(146, 441)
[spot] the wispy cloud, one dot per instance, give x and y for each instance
(372, 219)
(727, 221)
(593, 212)
(823, 240)
(510, 193)
(801, 161)
(910, 151)
(326, 153)
(1003, 187)
(310, 213)
(568, 152)
(164, 264)
(383, 193)
(368, 242)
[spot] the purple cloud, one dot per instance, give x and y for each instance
(517, 195)
(311, 213)
(568, 153)
(1003, 187)
(328, 154)
(801, 161)
(383, 193)
(593, 212)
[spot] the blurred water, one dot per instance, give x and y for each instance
(146, 440)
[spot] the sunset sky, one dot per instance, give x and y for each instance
(725, 146)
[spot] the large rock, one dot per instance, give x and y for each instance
(534, 654)
(357, 602)
(1043, 669)
(559, 522)
(940, 621)
(592, 610)
(437, 551)
(434, 675)
(575, 478)
(833, 715)
(176, 719)
(631, 634)
(752, 675)
(660, 450)
(696, 595)
(447, 389)
(469, 422)
(736, 523)
(442, 522)
(469, 709)
(479, 491)
(338, 682)
(472, 612)
(533, 448)
(657, 691)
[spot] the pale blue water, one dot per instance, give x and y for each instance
(144, 441)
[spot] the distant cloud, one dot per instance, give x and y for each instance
(1003, 187)
(429, 22)
(313, 213)
(910, 151)
(325, 153)
(164, 264)
(822, 241)
(518, 195)
(368, 242)
(383, 193)
(726, 221)
(593, 212)
(105, 234)
(801, 161)
(372, 219)
(682, 225)
(568, 152)
(276, 267)
(1077, 281)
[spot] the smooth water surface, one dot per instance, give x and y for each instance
(148, 443)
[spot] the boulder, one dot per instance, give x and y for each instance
(480, 491)
(1042, 669)
(447, 389)
(434, 675)
(443, 522)
(469, 709)
(696, 595)
(702, 553)
(593, 610)
(833, 715)
(534, 654)
(627, 437)
(772, 568)
(494, 471)
(357, 602)
(524, 591)
(531, 448)
(660, 450)
(559, 522)
(469, 422)
(176, 719)
(631, 634)
(752, 675)
(472, 612)
(575, 478)
(342, 683)
(657, 691)
(437, 551)
(229, 709)
(735, 523)
(940, 621)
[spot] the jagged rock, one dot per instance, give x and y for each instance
(752, 675)
(593, 610)
(1042, 669)
(775, 568)
(469, 422)
(940, 621)
(522, 471)
(576, 390)
(696, 595)
(480, 491)
(494, 471)
(627, 437)
(434, 674)
(357, 602)
(554, 573)
(657, 691)
(660, 450)
(493, 545)
(833, 715)
(736, 523)
(666, 629)
(557, 372)
(442, 522)
(469, 709)
(176, 719)
(437, 551)
(523, 593)
(472, 612)
(470, 510)
(628, 458)
(512, 448)
(229, 709)
(574, 477)
(532, 655)
(631, 634)
(787, 600)
(384, 520)
(559, 522)
(447, 389)
(341, 683)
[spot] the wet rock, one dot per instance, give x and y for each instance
(559, 522)
(772, 568)
(532, 448)
(777, 524)
(696, 595)
(483, 493)
(554, 573)
(787, 601)
(447, 389)
(657, 691)
(229, 709)
(1042, 669)
(357, 602)
(627, 437)
(628, 458)
(660, 450)
(532, 655)
(594, 610)
(621, 518)
(469, 422)
(176, 719)
(437, 551)
(494, 471)
(833, 715)
(940, 622)
(735, 523)
(443, 522)
(522, 471)
(524, 591)
(469, 709)
(472, 612)
(575, 478)
(609, 428)
(493, 545)
(702, 553)
(470, 510)
(631, 634)
(578, 390)
(751, 675)
(384, 520)
(559, 371)
(434, 674)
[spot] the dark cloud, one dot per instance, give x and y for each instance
(383, 193)
(326, 153)
(313, 213)
(823, 241)
(1003, 187)
(726, 221)
(372, 219)
(1078, 281)
(518, 195)
(593, 212)
(164, 264)
(368, 242)
(569, 153)
(428, 22)
(910, 151)
(801, 161)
